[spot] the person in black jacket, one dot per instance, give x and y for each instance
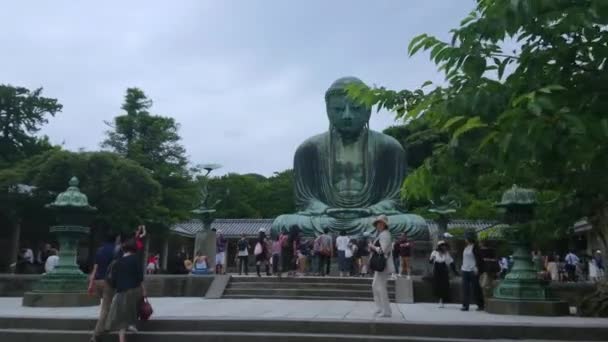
(126, 277)
(472, 267)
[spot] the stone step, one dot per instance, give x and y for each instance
(184, 330)
(292, 297)
(306, 285)
(211, 336)
(283, 292)
(342, 280)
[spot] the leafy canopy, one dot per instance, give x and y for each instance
(22, 113)
(524, 102)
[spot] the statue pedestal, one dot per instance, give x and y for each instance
(529, 308)
(204, 242)
(53, 300)
(404, 291)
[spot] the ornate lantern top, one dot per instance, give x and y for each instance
(517, 196)
(72, 197)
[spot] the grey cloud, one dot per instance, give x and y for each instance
(245, 79)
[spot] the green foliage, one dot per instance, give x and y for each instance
(22, 113)
(124, 192)
(253, 196)
(153, 142)
(532, 115)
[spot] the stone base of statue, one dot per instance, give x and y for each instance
(53, 300)
(62, 288)
(529, 308)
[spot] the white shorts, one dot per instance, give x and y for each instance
(219, 258)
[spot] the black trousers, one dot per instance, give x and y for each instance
(324, 264)
(470, 282)
(243, 264)
(275, 263)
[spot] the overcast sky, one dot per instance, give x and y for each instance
(245, 79)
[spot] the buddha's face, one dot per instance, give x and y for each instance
(346, 115)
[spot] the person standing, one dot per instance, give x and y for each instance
(99, 286)
(441, 260)
(126, 278)
(243, 255)
(351, 249)
(382, 245)
(325, 248)
(262, 252)
(551, 264)
(363, 252)
(571, 262)
(490, 268)
(405, 253)
(277, 248)
(51, 261)
(220, 252)
(472, 267)
(342, 245)
(596, 267)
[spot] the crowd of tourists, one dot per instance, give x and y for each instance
(572, 267)
(43, 260)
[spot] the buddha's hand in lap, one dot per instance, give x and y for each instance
(348, 212)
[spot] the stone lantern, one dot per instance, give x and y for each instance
(66, 285)
(521, 292)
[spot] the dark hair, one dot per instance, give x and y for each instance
(130, 246)
(110, 237)
(325, 230)
(342, 233)
(261, 237)
(52, 251)
(294, 231)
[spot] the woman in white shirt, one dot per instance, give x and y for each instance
(342, 246)
(472, 267)
(51, 261)
(382, 245)
(441, 260)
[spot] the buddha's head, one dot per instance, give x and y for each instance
(347, 116)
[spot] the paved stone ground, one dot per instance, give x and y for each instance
(194, 308)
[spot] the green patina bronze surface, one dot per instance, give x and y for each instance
(521, 283)
(73, 211)
(350, 174)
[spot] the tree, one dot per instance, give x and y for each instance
(533, 116)
(252, 195)
(153, 142)
(22, 113)
(123, 192)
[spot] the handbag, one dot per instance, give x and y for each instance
(378, 261)
(258, 249)
(144, 309)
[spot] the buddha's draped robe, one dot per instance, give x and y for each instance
(367, 174)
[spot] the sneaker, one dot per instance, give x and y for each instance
(464, 309)
(132, 328)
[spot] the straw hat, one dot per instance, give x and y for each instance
(441, 242)
(381, 218)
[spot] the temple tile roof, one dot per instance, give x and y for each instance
(229, 227)
(233, 228)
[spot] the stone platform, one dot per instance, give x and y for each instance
(40, 299)
(195, 319)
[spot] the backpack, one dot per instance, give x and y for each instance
(242, 245)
